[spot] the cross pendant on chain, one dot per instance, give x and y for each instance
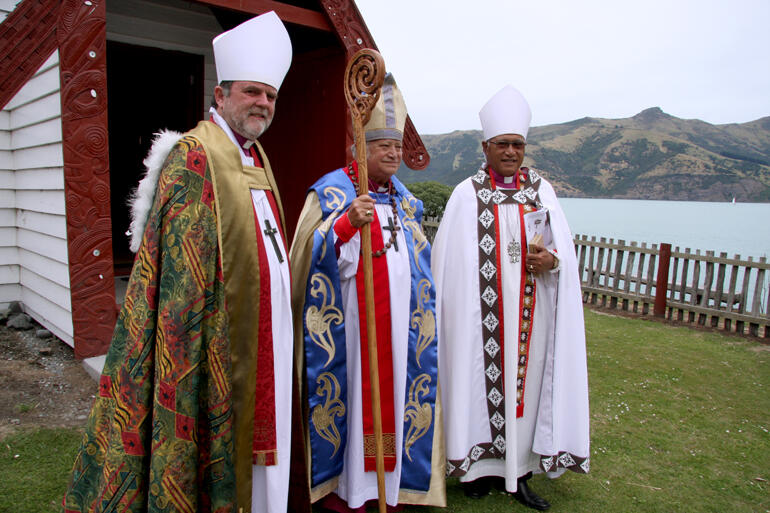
(270, 232)
(391, 228)
(514, 251)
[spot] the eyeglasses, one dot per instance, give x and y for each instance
(503, 145)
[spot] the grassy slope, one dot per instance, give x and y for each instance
(679, 422)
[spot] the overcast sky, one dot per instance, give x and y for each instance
(704, 59)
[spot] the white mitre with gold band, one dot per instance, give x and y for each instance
(257, 50)
(507, 112)
(389, 114)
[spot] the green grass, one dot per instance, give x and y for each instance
(34, 469)
(679, 422)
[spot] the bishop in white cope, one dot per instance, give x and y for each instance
(511, 335)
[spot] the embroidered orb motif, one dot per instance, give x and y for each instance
(499, 444)
(498, 421)
(484, 195)
(488, 270)
(495, 397)
(486, 218)
(487, 244)
(498, 196)
(492, 347)
(565, 460)
(490, 321)
(493, 372)
(489, 296)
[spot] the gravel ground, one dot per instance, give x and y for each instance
(41, 383)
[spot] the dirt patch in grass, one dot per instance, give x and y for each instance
(41, 383)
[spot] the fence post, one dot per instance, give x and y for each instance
(661, 284)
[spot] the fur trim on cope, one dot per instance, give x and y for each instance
(141, 199)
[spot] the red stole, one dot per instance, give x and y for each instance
(384, 355)
(526, 313)
(264, 446)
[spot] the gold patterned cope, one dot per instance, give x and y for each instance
(323, 415)
(318, 320)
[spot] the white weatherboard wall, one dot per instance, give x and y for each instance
(170, 25)
(10, 289)
(33, 253)
(6, 6)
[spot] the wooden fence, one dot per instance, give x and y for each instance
(684, 286)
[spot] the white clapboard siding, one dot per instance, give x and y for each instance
(44, 83)
(9, 274)
(34, 194)
(53, 270)
(7, 198)
(50, 202)
(9, 292)
(6, 6)
(7, 216)
(5, 139)
(7, 236)
(7, 179)
(56, 319)
(39, 178)
(170, 25)
(39, 222)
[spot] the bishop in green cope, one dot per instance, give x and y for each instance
(193, 412)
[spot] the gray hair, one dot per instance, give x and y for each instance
(225, 85)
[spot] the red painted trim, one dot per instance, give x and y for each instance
(288, 13)
(27, 40)
(354, 35)
(81, 33)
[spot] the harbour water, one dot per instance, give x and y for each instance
(735, 228)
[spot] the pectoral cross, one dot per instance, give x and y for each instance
(392, 229)
(270, 232)
(514, 251)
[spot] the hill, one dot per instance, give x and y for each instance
(651, 155)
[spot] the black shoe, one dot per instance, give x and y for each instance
(529, 498)
(476, 489)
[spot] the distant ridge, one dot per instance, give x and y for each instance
(651, 155)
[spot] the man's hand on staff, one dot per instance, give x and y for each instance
(361, 211)
(539, 259)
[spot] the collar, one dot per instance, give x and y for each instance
(507, 182)
(237, 139)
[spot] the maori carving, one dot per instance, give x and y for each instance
(352, 31)
(415, 154)
(81, 36)
(27, 39)
(349, 25)
(363, 80)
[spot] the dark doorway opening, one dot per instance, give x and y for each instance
(148, 89)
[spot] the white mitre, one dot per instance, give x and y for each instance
(507, 112)
(257, 50)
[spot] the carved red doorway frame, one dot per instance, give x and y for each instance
(81, 35)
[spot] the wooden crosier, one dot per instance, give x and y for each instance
(364, 76)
